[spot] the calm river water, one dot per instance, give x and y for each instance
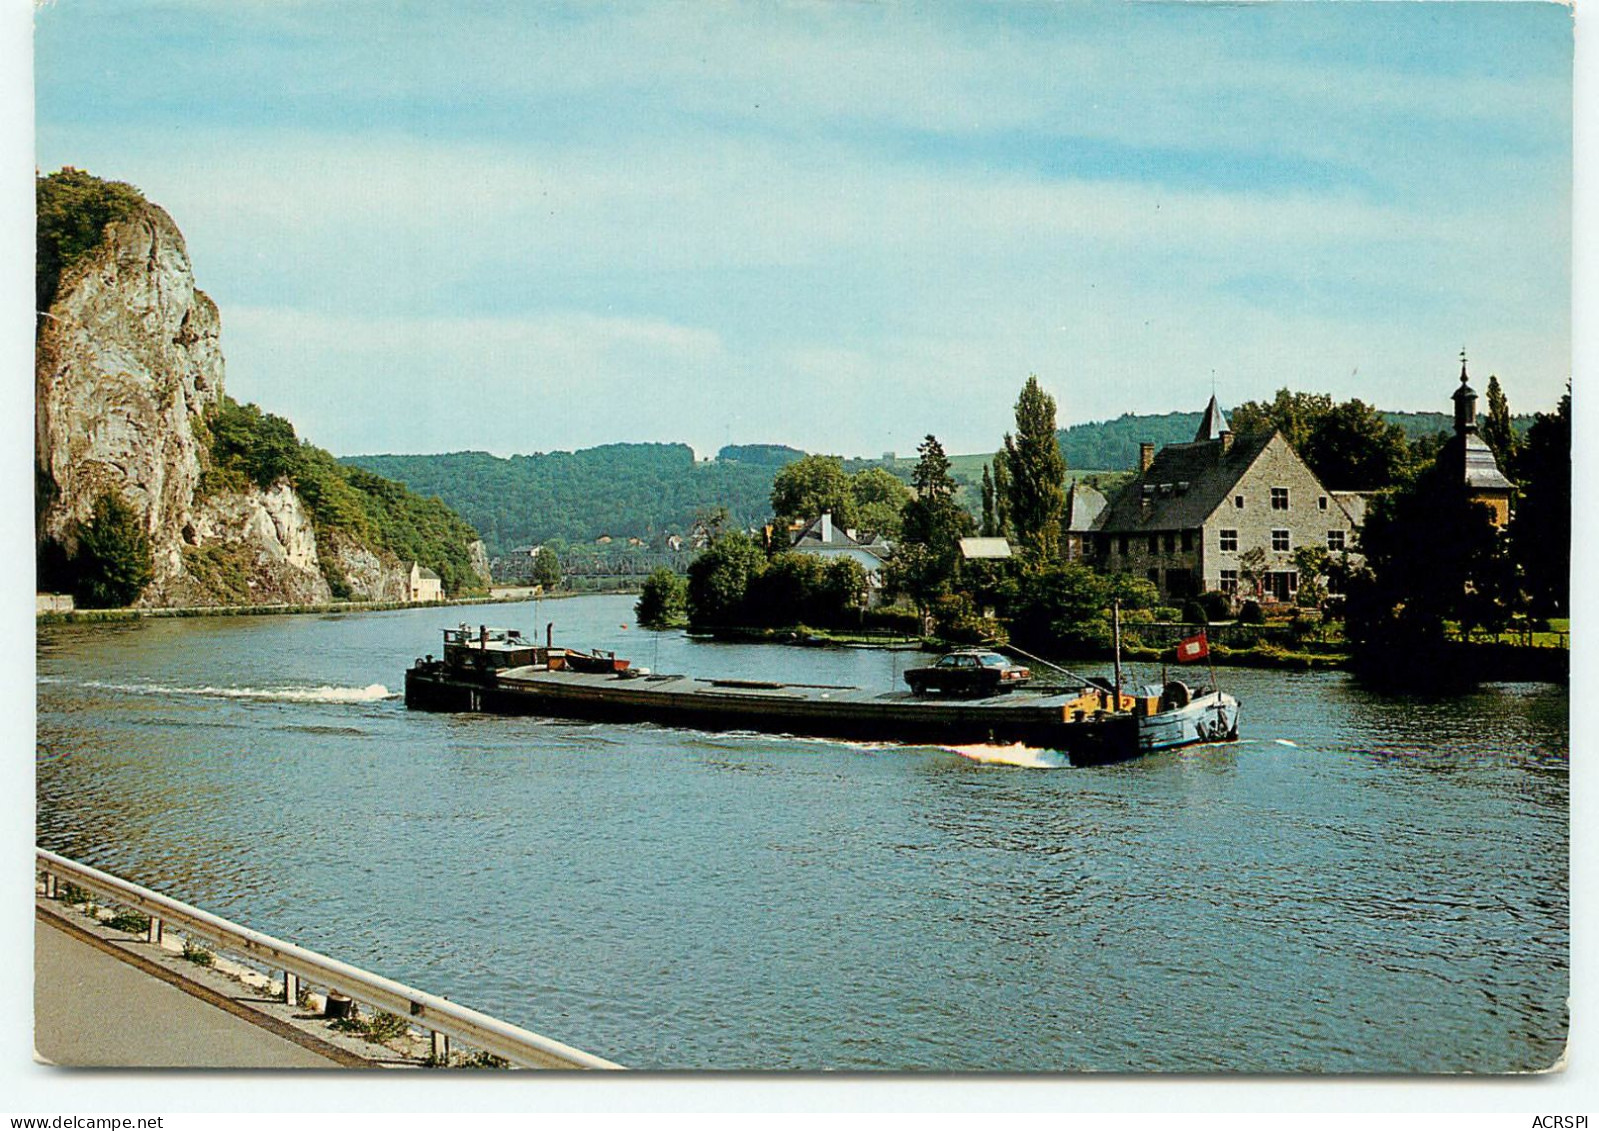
(1365, 883)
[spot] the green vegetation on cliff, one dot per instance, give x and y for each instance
(74, 209)
(248, 446)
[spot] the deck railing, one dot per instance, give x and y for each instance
(426, 1011)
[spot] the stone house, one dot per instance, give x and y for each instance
(1079, 518)
(423, 584)
(1196, 514)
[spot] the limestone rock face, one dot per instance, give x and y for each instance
(252, 547)
(128, 361)
(371, 575)
(480, 560)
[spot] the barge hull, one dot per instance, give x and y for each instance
(843, 713)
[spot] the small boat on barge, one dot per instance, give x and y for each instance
(496, 671)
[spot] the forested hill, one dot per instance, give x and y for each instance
(620, 490)
(648, 491)
(1112, 445)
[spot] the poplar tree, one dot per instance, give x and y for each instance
(988, 528)
(1497, 429)
(1037, 473)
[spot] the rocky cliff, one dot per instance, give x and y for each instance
(128, 366)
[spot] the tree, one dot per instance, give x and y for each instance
(989, 523)
(808, 487)
(1352, 448)
(73, 209)
(1498, 431)
(1293, 414)
(932, 526)
(1002, 524)
(879, 498)
(546, 568)
(662, 601)
(1540, 533)
(1037, 473)
(1432, 557)
(719, 578)
(112, 564)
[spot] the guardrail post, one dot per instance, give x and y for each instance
(441, 1049)
(51, 890)
(291, 989)
(154, 933)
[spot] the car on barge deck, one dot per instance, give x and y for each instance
(496, 671)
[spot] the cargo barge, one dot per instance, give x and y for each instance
(500, 672)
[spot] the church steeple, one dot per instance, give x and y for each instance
(1465, 403)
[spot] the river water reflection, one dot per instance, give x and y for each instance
(1367, 882)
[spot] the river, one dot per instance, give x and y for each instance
(1366, 882)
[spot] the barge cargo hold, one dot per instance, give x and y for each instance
(502, 673)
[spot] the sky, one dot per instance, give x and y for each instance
(839, 226)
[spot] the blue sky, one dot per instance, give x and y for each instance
(839, 226)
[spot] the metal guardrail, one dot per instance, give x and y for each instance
(515, 1044)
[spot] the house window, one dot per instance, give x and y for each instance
(1154, 577)
(1335, 539)
(1280, 540)
(1279, 498)
(1229, 582)
(1229, 540)
(1188, 541)
(1171, 543)
(1238, 501)
(1321, 502)
(1154, 543)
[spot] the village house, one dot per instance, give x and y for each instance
(822, 537)
(1219, 515)
(425, 585)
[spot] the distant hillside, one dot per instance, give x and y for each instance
(621, 490)
(648, 491)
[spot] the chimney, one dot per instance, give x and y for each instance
(1146, 456)
(1226, 441)
(827, 528)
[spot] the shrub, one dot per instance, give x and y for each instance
(112, 564)
(1168, 614)
(1194, 612)
(1251, 613)
(197, 954)
(663, 601)
(130, 921)
(1218, 606)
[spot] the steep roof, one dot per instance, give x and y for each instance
(1084, 505)
(1185, 483)
(1479, 470)
(1213, 423)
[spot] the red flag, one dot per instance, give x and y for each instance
(1192, 648)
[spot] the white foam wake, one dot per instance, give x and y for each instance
(1030, 757)
(371, 693)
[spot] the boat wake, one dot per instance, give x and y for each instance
(372, 693)
(1029, 757)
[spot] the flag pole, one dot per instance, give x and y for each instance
(1116, 636)
(1209, 656)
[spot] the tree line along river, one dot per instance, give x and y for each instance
(1369, 881)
